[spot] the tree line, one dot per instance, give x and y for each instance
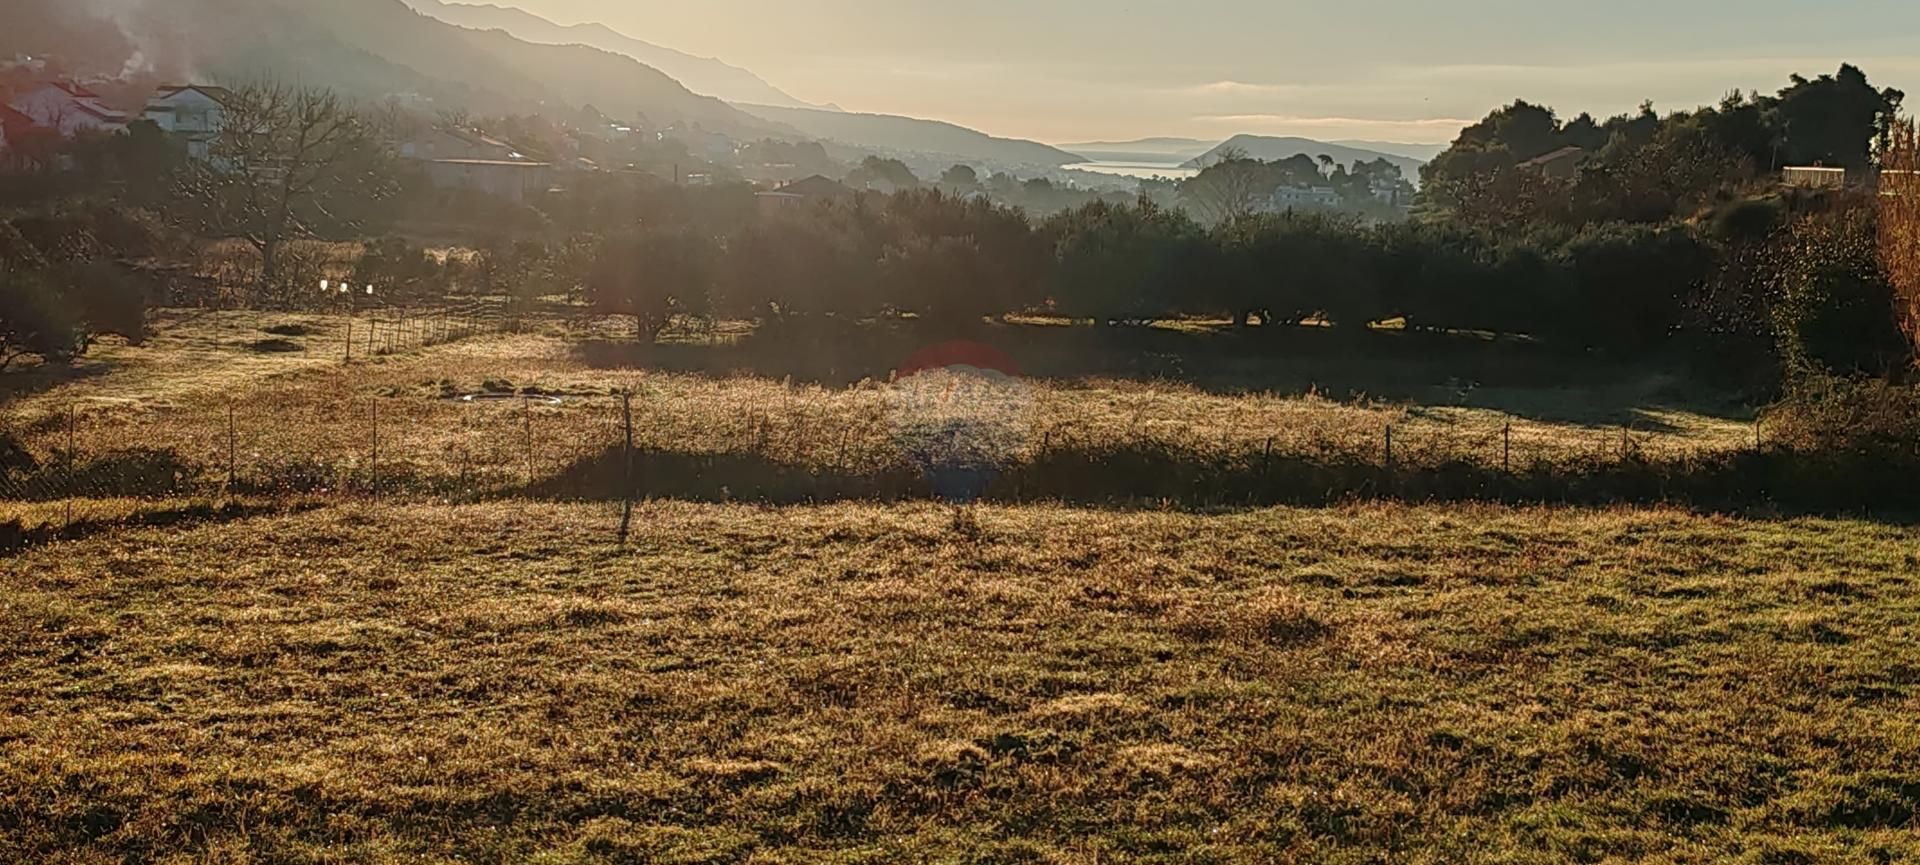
(1638, 250)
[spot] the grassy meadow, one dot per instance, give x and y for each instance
(474, 668)
(537, 410)
(866, 683)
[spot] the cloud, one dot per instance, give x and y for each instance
(1241, 89)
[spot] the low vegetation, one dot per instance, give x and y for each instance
(857, 683)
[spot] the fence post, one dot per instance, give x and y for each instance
(626, 489)
(1389, 456)
(528, 401)
(349, 341)
(373, 327)
(374, 473)
(1506, 448)
(232, 468)
(72, 421)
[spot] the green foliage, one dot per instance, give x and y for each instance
(653, 276)
(398, 269)
(1124, 263)
(884, 174)
(37, 320)
(1831, 307)
(1647, 168)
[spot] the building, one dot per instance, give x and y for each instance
(451, 143)
(1304, 197)
(22, 141)
(801, 193)
(514, 180)
(68, 108)
(191, 112)
(456, 158)
(1559, 164)
(1814, 177)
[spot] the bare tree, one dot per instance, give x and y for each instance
(287, 163)
(1231, 187)
(1899, 223)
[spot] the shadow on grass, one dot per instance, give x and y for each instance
(19, 383)
(1156, 476)
(1524, 379)
(14, 537)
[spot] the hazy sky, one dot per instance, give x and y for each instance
(1398, 70)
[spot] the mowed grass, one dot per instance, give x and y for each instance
(301, 415)
(859, 683)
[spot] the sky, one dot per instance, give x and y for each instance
(1067, 71)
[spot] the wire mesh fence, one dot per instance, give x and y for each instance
(427, 445)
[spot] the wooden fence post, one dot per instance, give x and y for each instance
(72, 422)
(528, 401)
(1506, 449)
(349, 358)
(626, 488)
(1389, 456)
(232, 468)
(374, 472)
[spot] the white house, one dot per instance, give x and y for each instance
(191, 112)
(69, 108)
(1295, 197)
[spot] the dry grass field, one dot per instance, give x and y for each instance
(861, 683)
(302, 416)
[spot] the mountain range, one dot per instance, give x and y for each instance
(366, 48)
(493, 59)
(704, 75)
(896, 134)
(752, 94)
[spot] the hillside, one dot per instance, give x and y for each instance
(889, 132)
(704, 75)
(1269, 149)
(378, 48)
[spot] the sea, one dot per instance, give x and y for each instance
(1138, 170)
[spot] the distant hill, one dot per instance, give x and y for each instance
(1142, 150)
(704, 75)
(1422, 152)
(1269, 149)
(910, 135)
(375, 49)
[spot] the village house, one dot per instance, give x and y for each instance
(452, 143)
(801, 193)
(68, 108)
(1290, 197)
(454, 158)
(514, 180)
(190, 112)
